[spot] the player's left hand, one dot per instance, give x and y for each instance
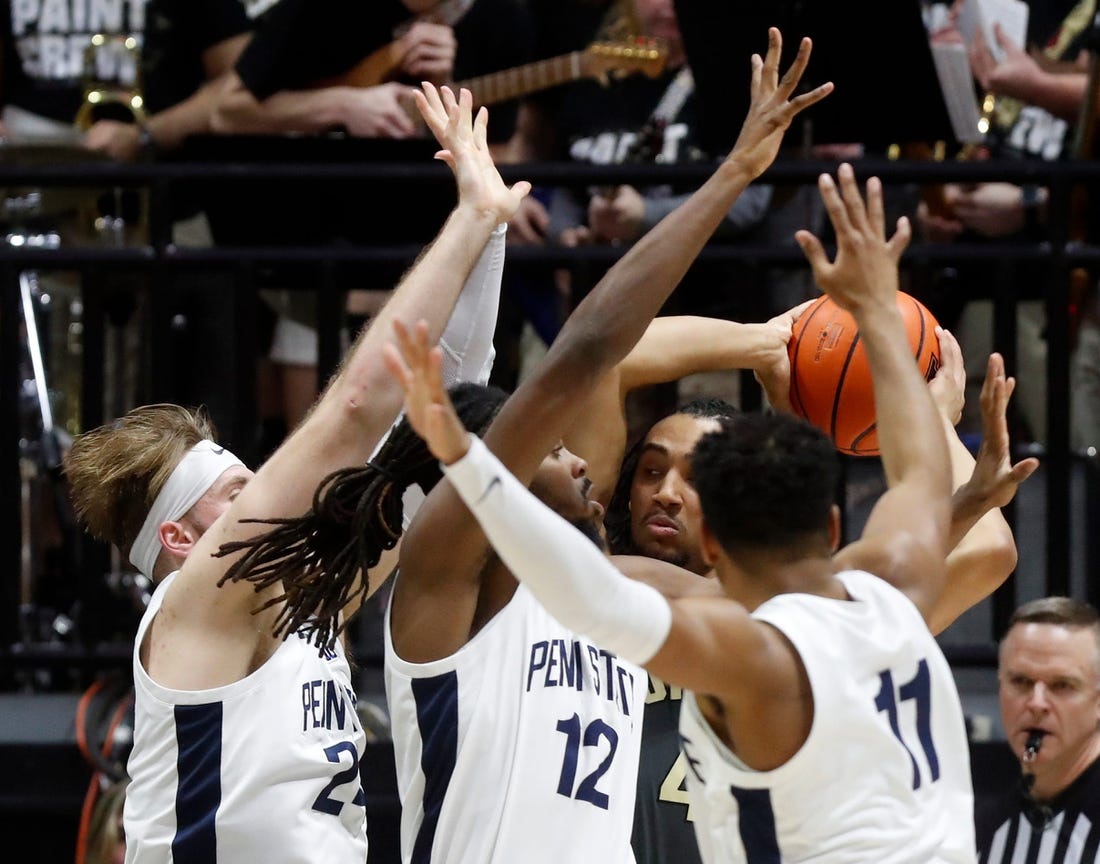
(466, 151)
(995, 479)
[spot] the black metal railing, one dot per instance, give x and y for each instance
(156, 256)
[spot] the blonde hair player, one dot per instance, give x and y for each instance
(247, 742)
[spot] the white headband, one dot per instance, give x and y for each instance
(198, 469)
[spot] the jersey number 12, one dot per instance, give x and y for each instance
(593, 732)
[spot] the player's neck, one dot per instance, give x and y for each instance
(753, 580)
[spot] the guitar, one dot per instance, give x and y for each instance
(600, 60)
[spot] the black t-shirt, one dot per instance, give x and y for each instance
(562, 26)
(44, 51)
(604, 126)
(599, 125)
(1044, 17)
(1030, 132)
(177, 33)
(1013, 828)
(297, 45)
(494, 35)
(566, 25)
(300, 42)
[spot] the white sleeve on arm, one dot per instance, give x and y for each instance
(563, 569)
(467, 342)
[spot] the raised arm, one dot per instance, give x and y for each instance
(671, 347)
(467, 342)
(446, 549)
(362, 400)
(571, 577)
(611, 319)
(905, 539)
(983, 550)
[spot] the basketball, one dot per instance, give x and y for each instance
(831, 377)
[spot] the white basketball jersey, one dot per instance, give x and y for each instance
(264, 769)
(523, 746)
(884, 775)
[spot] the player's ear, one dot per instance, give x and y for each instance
(177, 538)
(834, 528)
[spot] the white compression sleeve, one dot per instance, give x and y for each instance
(563, 569)
(467, 342)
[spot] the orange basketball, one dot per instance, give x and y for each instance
(831, 378)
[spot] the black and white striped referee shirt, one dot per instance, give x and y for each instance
(1016, 830)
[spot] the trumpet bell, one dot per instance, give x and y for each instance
(106, 104)
(112, 81)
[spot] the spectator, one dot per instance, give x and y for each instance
(1035, 110)
(302, 75)
(1049, 674)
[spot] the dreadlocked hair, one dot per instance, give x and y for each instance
(356, 515)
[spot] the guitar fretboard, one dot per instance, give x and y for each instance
(522, 80)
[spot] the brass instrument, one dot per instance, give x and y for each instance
(113, 93)
(122, 90)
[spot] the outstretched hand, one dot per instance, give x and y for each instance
(466, 151)
(866, 266)
(417, 365)
(771, 108)
(995, 479)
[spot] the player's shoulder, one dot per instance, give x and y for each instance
(672, 581)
